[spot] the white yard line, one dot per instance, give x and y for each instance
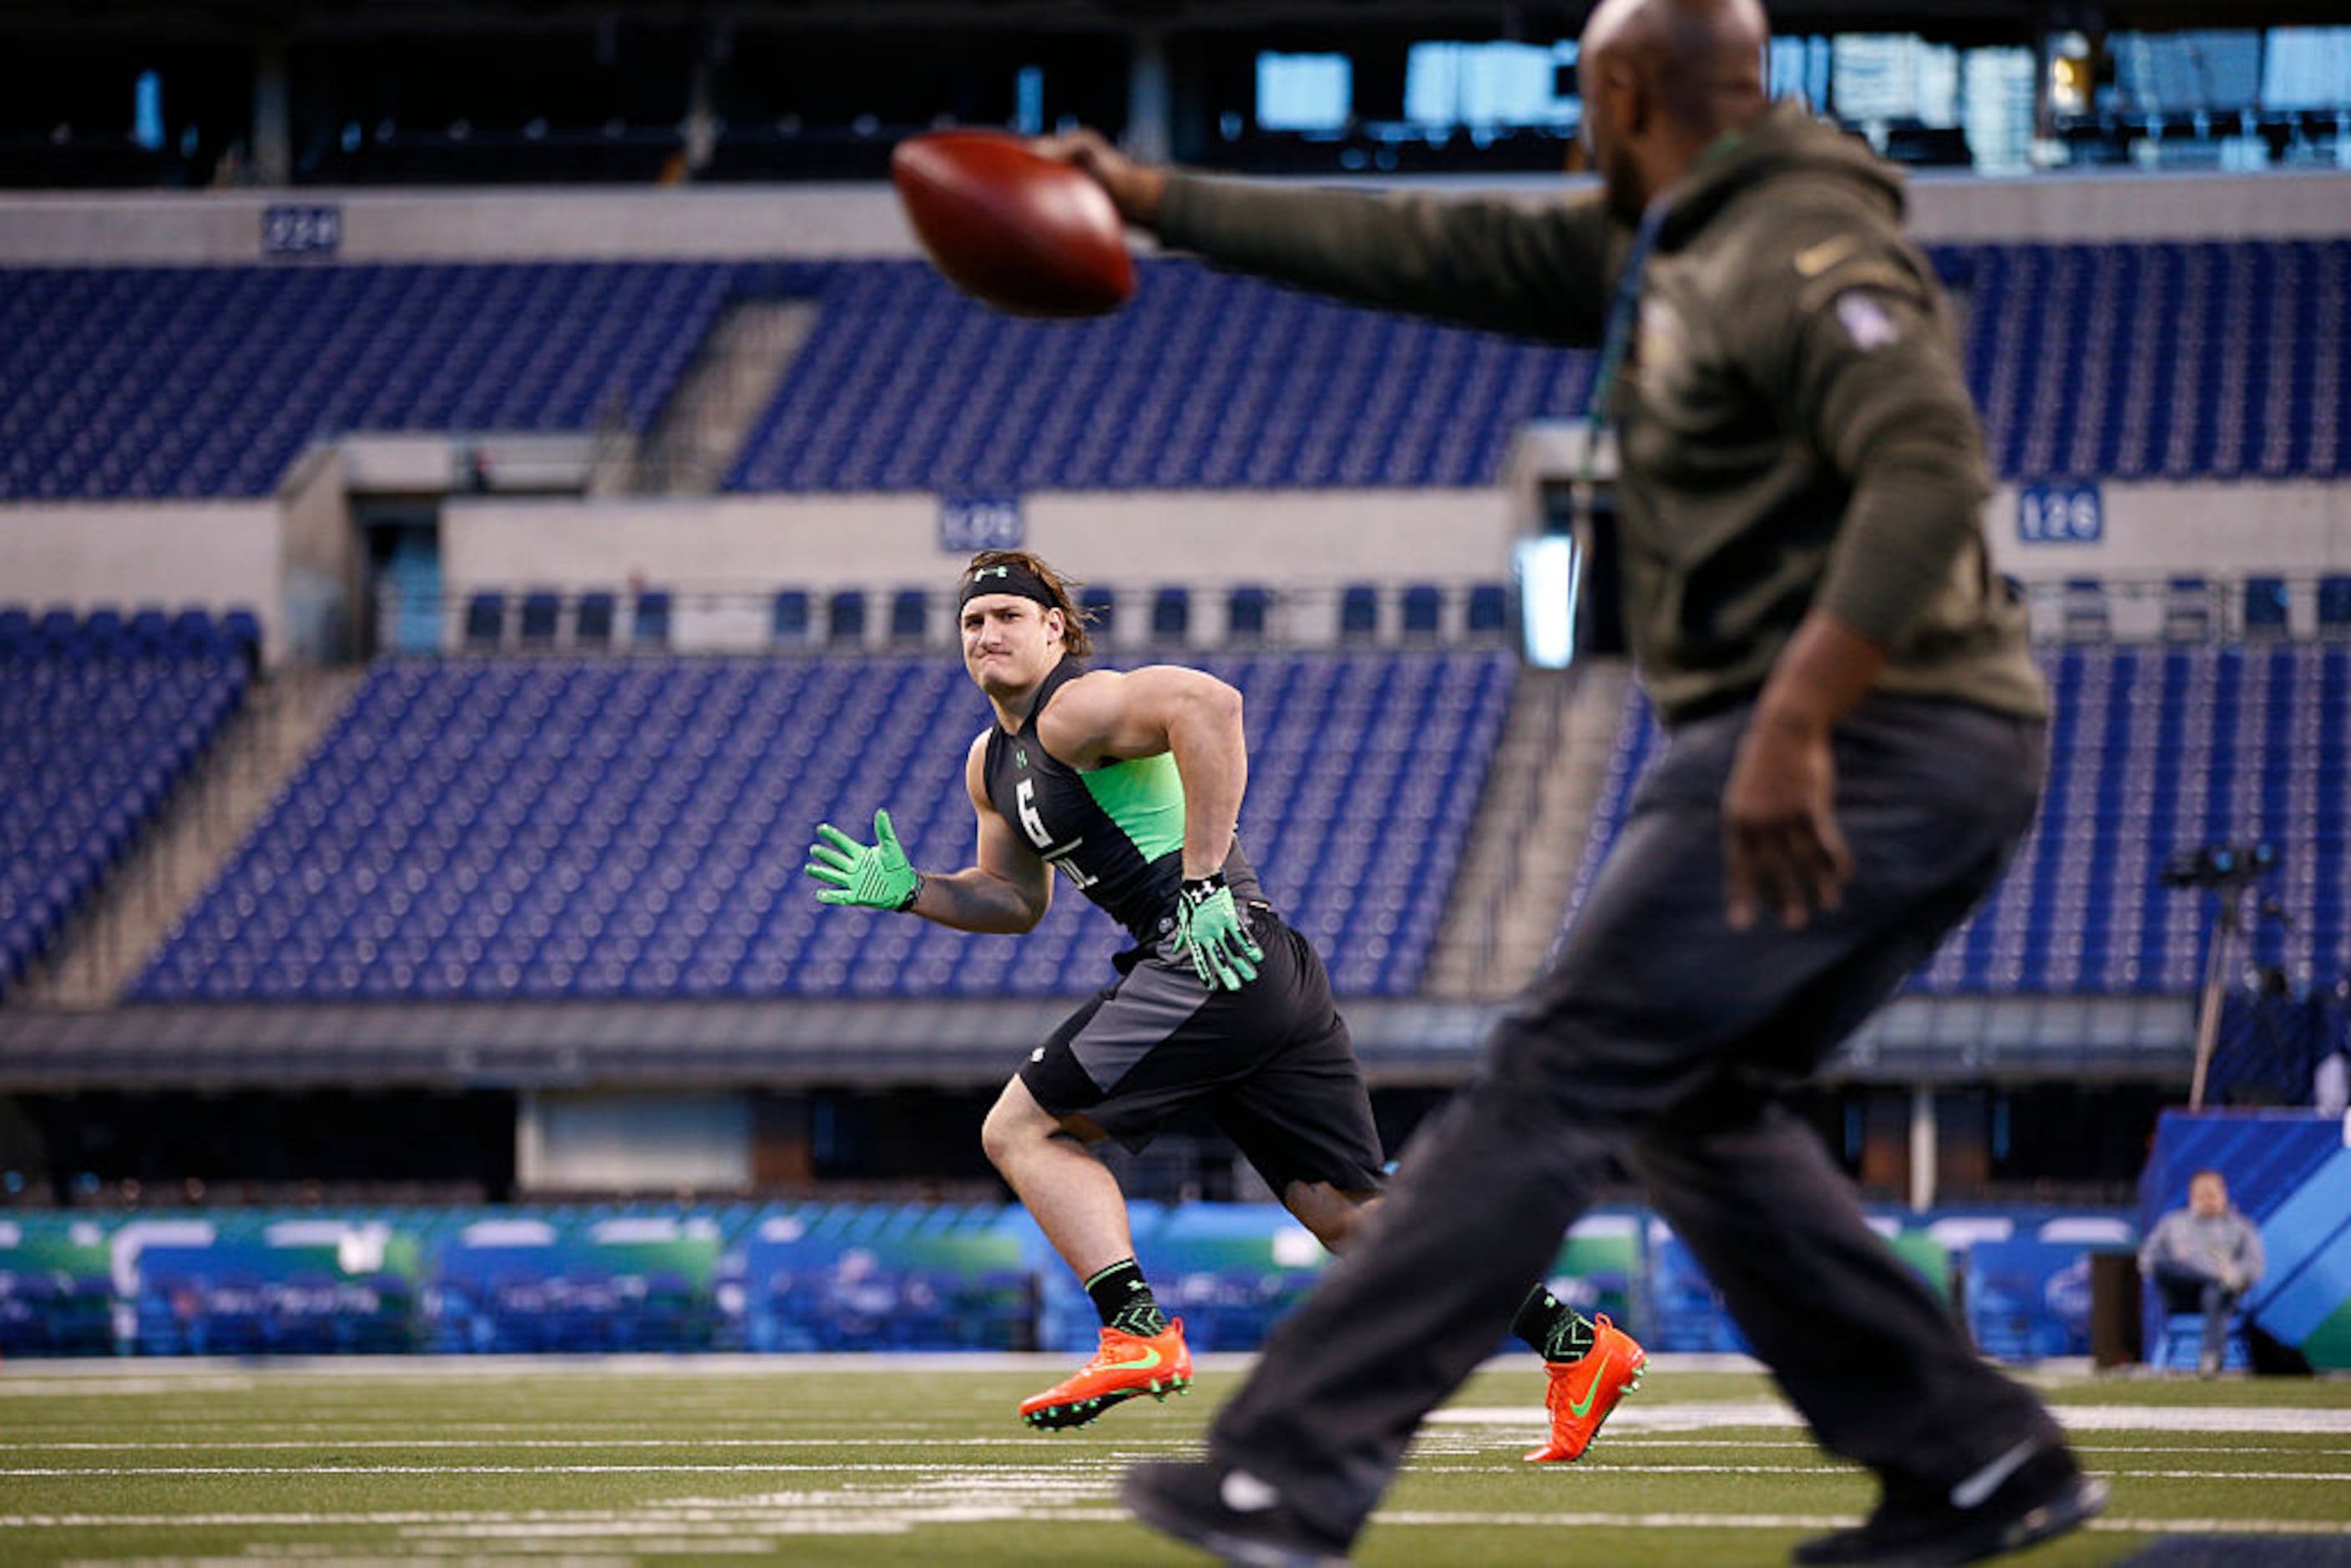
(705, 1520)
(1634, 1417)
(1060, 1471)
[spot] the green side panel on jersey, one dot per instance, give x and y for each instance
(1145, 796)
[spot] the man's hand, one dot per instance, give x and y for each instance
(1133, 187)
(1780, 837)
(871, 876)
(1208, 926)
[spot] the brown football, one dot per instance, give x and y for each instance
(1014, 230)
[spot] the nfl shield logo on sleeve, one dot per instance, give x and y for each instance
(1867, 322)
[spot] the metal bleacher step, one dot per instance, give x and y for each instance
(100, 954)
(1530, 834)
(723, 391)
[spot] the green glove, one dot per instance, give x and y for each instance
(871, 876)
(1208, 926)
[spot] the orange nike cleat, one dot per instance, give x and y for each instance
(1125, 1365)
(1585, 1390)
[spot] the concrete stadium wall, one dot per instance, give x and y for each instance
(714, 554)
(2208, 528)
(202, 555)
(149, 229)
(1307, 538)
(718, 554)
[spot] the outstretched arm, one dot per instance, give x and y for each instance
(1007, 889)
(1106, 717)
(1534, 271)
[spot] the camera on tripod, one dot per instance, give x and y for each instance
(2220, 865)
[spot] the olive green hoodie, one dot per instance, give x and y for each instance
(1793, 427)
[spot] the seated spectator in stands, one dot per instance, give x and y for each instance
(2203, 1259)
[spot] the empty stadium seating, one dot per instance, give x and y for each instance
(2159, 360)
(182, 381)
(1205, 381)
(558, 827)
(100, 718)
(2129, 361)
(2155, 748)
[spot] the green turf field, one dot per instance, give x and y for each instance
(920, 1461)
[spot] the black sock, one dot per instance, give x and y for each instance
(1122, 1297)
(1557, 1330)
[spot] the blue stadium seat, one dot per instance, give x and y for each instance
(1488, 611)
(57, 633)
(1359, 613)
(194, 633)
(149, 631)
(593, 620)
(909, 610)
(789, 622)
(649, 627)
(1245, 609)
(2267, 608)
(1098, 606)
(844, 619)
(541, 609)
(486, 620)
(2335, 606)
(1424, 607)
(103, 633)
(1171, 616)
(241, 629)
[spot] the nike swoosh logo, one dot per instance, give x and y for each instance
(1576, 1407)
(1147, 1361)
(1814, 260)
(1972, 1491)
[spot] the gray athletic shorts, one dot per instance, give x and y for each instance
(1270, 1063)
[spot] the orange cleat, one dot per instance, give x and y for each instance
(1125, 1365)
(1585, 1390)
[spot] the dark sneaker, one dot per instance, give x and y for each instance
(1228, 1512)
(2031, 1493)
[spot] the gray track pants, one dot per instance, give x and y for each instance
(1661, 1034)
